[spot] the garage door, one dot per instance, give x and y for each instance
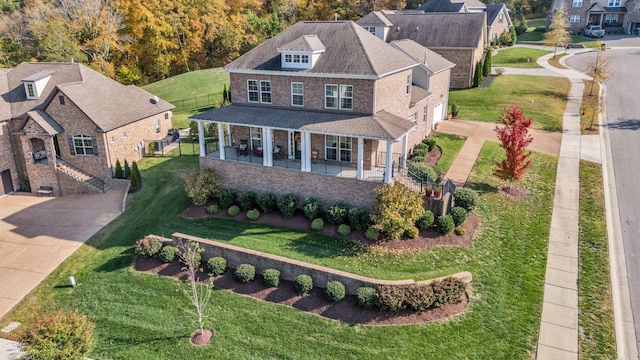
(437, 113)
(5, 182)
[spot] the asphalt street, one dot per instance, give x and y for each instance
(623, 123)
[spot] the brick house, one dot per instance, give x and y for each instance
(457, 36)
(615, 16)
(63, 125)
(325, 109)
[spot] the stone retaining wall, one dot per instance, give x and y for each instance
(289, 268)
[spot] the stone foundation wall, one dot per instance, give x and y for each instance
(289, 268)
(72, 186)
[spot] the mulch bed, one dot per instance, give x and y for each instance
(314, 302)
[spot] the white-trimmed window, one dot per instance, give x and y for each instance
(574, 19)
(408, 90)
(637, 9)
(614, 3)
(265, 91)
(304, 59)
(576, 3)
(371, 29)
(256, 138)
(346, 97)
(611, 19)
(253, 93)
(297, 94)
(424, 114)
(112, 139)
(31, 91)
(331, 96)
(345, 148)
(415, 117)
(83, 145)
(338, 148)
(501, 18)
(338, 96)
(158, 126)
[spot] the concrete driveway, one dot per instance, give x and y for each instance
(38, 233)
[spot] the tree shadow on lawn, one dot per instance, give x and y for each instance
(481, 188)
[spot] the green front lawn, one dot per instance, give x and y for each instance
(541, 98)
(450, 146)
(518, 57)
(140, 316)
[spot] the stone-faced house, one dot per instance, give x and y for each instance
(458, 37)
(63, 125)
(325, 109)
(615, 16)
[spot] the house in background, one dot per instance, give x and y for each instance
(63, 126)
(458, 37)
(615, 16)
(325, 109)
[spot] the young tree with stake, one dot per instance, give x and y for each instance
(198, 293)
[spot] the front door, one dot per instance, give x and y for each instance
(56, 146)
(438, 112)
(6, 186)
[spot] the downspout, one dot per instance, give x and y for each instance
(471, 72)
(109, 162)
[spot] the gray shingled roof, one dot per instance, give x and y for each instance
(441, 6)
(471, 4)
(5, 106)
(615, 9)
(375, 18)
(441, 30)
(492, 12)
(435, 62)
(350, 50)
(382, 126)
(49, 125)
(418, 94)
(304, 43)
(106, 102)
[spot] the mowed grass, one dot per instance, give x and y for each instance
(183, 90)
(542, 98)
(450, 146)
(518, 57)
(141, 316)
(556, 61)
(597, 335)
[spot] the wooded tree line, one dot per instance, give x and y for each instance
(136, 41)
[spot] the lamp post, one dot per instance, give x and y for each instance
(596, 70)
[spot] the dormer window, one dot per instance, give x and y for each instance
(34, 85)
(31, 90)
(301, 53)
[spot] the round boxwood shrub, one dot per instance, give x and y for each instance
(311, 207)
(149, 246)
(466, 199)
(303, 284)
(227, 198)
(271, 277)
(421, 146)
(233, 211)
(459, 215)
(445, 224)
(267, 202)
(372, 234)
(317, 224)
(213, 209)
(253, 214)
(430, 142)
(359, 219)
(245, 273)
(366, 297)
(168, 254)
(419, 154)
(425, 221)
(335, 291)
(287, 205)
(248, 200)
(337, 213)
(217, 265)
(412, 232)
(344, 229)
(459, 230)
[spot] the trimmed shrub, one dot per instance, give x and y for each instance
(372, 234)
(445, 224)
(60, 335)
(344, 229)
(433, 172)
(227, 198)
(168, 254)
(253, 214)
(430, 142)
(213, 209)
(149, 246)
(127, 169)
(217, 265)
(119, 173)
(425, 221)
(248, 200)
(317, 224)
(359, 219)
(390, 298)
(465, 198)
(303, 284)
(311, 207)
(454, 109)
(459, 215)
(366, 297)
(287, 205)
(397, 209)
(267, 202)
(412, 232)
(245, 273)
(200, 185)
(271, 277)
(335, 291)
(136, 179)
(418, 297)
(337, 213)
(421, 145)
(448, 290)
(234, 210)
(459, 230)
(419, 154)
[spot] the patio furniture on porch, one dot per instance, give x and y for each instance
(257, 151)
(277, 152)
(243, 148)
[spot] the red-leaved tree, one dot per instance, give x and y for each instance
(515, 138)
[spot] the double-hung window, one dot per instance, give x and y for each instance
(157, 126)
(256, 138)
(331, 96)
(338, 96)
(338, 148)
(346, 97)
(265, 92)
(574, 19)
(83, 145)
(614, 3)
(31, 92)
(408, 90)
(297, 94)
(501, 18)
(253, 91)
(576, 3)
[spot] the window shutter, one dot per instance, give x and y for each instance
(72, 147)
(95, 145)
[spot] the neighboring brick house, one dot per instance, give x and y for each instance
(458, 37)
(325, 109)
(615, 16)
(63, 125)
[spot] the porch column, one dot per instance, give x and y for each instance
(306, 151)
(267, 149)
(229, 138)
(403, 159)
(359, 163)
(203, 150)
(223, 154)
(388, 166)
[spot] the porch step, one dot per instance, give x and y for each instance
(402, 177)
(83, 177)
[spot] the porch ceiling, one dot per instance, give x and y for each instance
(382, 126)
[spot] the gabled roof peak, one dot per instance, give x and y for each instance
(304, 43)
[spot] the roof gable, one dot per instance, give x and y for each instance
(304, 43)
(429, 59)
(442, 6)
(493, 10)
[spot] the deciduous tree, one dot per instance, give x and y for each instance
(558, 34)
(598, 68)
(515, 138)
